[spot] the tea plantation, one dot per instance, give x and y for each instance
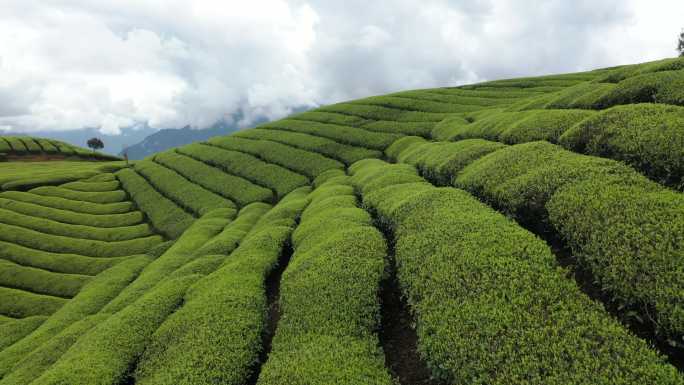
(522, 231)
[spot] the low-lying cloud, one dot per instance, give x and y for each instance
(111, 64)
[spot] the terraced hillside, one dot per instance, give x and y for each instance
(524, 231)
(21, 147)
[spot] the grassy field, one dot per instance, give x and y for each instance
(517, 231)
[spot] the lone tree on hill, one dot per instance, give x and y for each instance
(95, 143)
(680, 46)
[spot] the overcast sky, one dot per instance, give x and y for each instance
(111, 64)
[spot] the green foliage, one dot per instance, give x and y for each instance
(543, 125)
(89, 301)
(342, 134)
(630, 238)
(300, 161)
(26, 175)
(405, 128)
(191, 197)
(56, 262)
(328, 297)
(127, 219)
(520, 179)
(61, 244)
(413, 103)
(164, 214)
(69, 204)
(329, 148)
(649, 137)
(601, 208)
(448, 127)
(234, 188)
(15, 329)
(35, 363)
(87, 186)
(17, 303)
(40, 281)
(182, 252)
(277, 178)
(442, 97)
(440, 162)
(330, 117)
(215, 337)
(659, 87)
(47, 226)
(232, 234)
(491, 307)
(402, 144)
(489, 127)
(94, 197)
(383, 113)
(583, 96)
(105, 353)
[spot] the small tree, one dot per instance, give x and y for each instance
(95, 144)
(680, 46)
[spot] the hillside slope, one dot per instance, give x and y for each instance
(523, 231)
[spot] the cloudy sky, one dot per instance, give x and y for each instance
(114, 63)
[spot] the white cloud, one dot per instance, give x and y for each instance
(109, 64)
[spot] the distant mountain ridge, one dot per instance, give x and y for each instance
(174, 137)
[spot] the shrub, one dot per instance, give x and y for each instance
(452, 98)
(104, 221)
(275, 177)
(412, 103)
(107, 351)
(179, 254)
(520, 179)
(448, 127)
(601, 209)
(89, 300)
(16, 144)
(402, 144)
(40, 281)
(15, 329)
(440, 162)
(629, 237)
(300, 161)
(164, 214)
(489, 127)
(31, 145)
(74, 231)
(342, 134)
(34, 364)
(583, 96)
(227, 240)
(330, 117)
(340, 152)
(215, 337)
(182, 251)
(659, 87)
(328, 300)
(87, 247)
(188, 195)
(234, 188)
(20, 304)
(56, 262)
(649, 137)
(5, 146)
(404, 128)
(383, 113)
(46, 145)
(69, 204)
(84, 186)
(467, 291)
(543, 125)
